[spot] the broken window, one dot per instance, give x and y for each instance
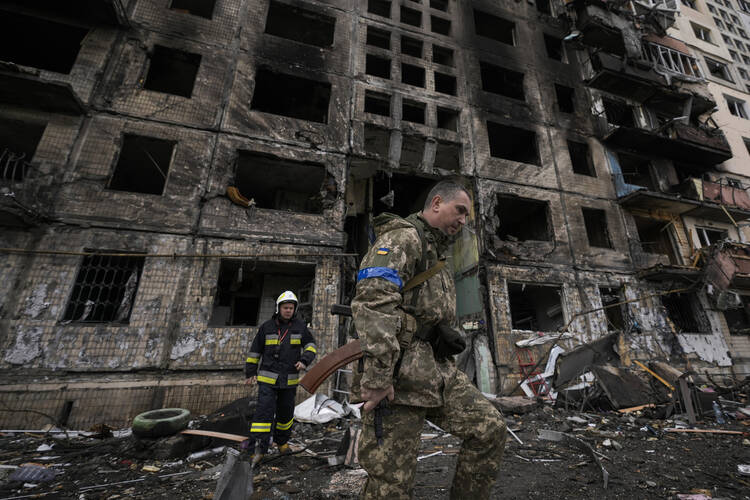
(412, 150)
(377, 140)
(494, 27)
(378, 38)
(701, 32)
(597, 230)
(738, 318)
(655, 238)
(445, 84)
(412, 75)
(580, 158)
(104, 289)
(413, 111)
(200, 8)
(555, 48)
(440, 26)
(618, 113)
(523, 219)
(143, 165)
(611, 302)
(172, 71)
(708, 236)
(448, 119)
(565, 98)
(400, 194)
(411, 16)
(411, 46)
(636, 170)
(442, 55)
(379, 7)
(439, 5)
(246, 291)
(39, 43)
(378, 66)
(281, 184)
(292, 96)
(448, 156)
(501, 81)
(718, 69)
(513, 143)
(377, 103)
(544, 7)
(300, 25)
(683, 309)
(18, 143)
(535, 307)
(736, 107)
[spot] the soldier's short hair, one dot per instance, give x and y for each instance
(447, 191)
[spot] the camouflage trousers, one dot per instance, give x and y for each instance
(466, 413)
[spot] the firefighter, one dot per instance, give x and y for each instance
(282, 347)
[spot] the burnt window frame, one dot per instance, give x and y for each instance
(189, 12)
(687, 315)
(541, 204)
(326, 21)
(162, 54)
(124, 138)
(529, 133)
(602, 215)
(558, 288)
(323, 91)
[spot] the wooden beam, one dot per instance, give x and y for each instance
(214, 434)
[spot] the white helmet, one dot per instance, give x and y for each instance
(287, 296)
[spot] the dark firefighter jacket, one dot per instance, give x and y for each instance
(273, 353)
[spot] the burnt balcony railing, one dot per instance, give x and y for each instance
(13, 166)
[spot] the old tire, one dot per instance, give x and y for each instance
(158, 423)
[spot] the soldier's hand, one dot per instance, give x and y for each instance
(372, 397)
(251, 380)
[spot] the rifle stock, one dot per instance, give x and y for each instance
(329, 364)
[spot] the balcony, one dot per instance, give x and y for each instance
(27, 89)
(91, 12)
(636, 81)
(728, 265)
(599, 28)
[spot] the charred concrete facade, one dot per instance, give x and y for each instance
(194, 159)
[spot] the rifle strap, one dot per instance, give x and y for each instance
(423, 276)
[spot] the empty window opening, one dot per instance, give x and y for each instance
(512, 143)
(618, 113)
(300, 25)
(555, 48)
(378, 66)
(39, 43)
(655, 237)
(440, 26)
(708, 236)
(718, 69)
(738, 319)
(683, 309)
(172, 71)
(544, 7)
(246, 291)
(448, 156)
(636, 170)
(200, 8)
(143, 165)
(580, 158)
(379, 7)
(67, 409)
(736, 107)
(104, 289)
(442, 55)
(377, 103)
(412, 111)
(377, 140)
(266, 180)
(445, 84)
(523, 219)
(611, 299)
(565, 98)
(378, 38)
(18, 143)
(412, 150)
(501, 81)
(597, 230)
(412, 75)
(411, 46)
(447, 119)
(701, 32)
(409, 193)
(494, 27)
(292, 96)
(535, 307)
(439, 5)
(411, 16)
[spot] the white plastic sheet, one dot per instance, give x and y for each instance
(319, 409)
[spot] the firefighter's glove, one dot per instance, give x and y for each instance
(450, 341)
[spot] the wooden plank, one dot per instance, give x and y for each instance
(651, 372)
(214, 434)
(636, 408)
(687, 400)
(705, 431)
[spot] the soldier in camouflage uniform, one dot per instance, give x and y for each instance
(427, 385)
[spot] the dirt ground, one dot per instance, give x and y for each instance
(641, 459)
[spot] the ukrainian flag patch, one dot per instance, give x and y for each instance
(383, 251)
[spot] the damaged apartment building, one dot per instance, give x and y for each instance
(170, 166)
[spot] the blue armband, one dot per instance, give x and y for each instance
(381, 272)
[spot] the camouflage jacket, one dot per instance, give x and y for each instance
(380, 317)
